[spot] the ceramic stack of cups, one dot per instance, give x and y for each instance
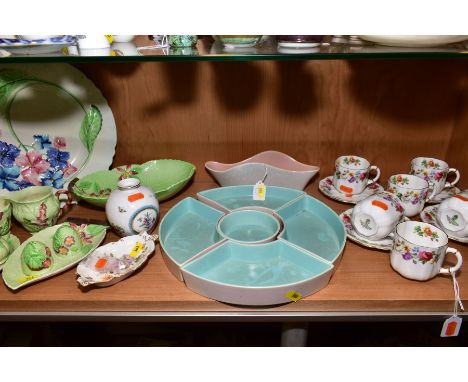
(418, 249)
(7, 241)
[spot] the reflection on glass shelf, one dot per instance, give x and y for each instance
(143, 48)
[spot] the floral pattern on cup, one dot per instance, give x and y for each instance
(350, 160)
(411, 196)
(435, 172)
(415, 253)
(426, 231)
(352, 176)
(393, 201)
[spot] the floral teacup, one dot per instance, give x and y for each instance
(419, 250)
(351, 175)
(376, 216)
(412, 191)
(37, 207)
(435, 172)
(452, 214)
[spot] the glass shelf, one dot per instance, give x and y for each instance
(207, 49)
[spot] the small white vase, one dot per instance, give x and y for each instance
(132, 208)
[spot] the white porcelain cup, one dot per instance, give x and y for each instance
(412, 191)
(452, 215)
(419, 251)
(376, 216)
(435, 172)
(93, 42)
(351, 175)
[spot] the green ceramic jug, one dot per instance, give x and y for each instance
(38, 207)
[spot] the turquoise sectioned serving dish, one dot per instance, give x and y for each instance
(228, 247)
(165, 177)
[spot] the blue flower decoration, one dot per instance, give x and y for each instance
(42, 142)
(8, 154)
(57, 159)
(23, 184)
(8, 177)
(53, 178)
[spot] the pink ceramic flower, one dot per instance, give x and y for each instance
(59, 143)
(32, 165)
(69, 169)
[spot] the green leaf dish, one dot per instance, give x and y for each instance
(13, 243)
(17, 274)
(165, 177)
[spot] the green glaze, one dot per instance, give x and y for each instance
(13, 243)
(35, 207)
(4, 250)
(66, 240)
(36, 256)
(14, 274)
(165, 177)
(5, 217)
(181, 41)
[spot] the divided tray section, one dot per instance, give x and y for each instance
(228, 247)
(187, 231)
(234, 197)
(260, 274)
(312, 225)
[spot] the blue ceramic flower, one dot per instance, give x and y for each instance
(42, 142)
(8, 177)
(8, 154)
(53, 178)
(57, 159)
(23, 184)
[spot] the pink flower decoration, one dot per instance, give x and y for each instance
(69, 169)
(59, 143)
(424, 255)
(32, 165)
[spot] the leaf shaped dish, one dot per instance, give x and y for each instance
(18, 272)
(113, 262)
(276, 168)
(165, 177)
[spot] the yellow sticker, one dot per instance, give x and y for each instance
(293, 296)
(26, 278)
(259, 191)
(137, 249)
(65, 51)
(110, 38)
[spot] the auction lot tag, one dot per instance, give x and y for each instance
(259, 191)
(137, 249)
(293, 296)
(451, 327)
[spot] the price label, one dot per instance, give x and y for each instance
(110, 38)
(26, 278)
(293, 296)
(451, 327)
(259, 191)
(137, 249)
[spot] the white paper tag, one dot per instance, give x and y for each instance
(259, 191)
(451, 327)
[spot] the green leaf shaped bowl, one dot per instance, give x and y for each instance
(14, 274)
(166, 177)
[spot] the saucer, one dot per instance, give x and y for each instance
(444, 194)
(327, 188)
(429, 215)
(384, 244)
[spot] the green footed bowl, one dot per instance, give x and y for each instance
(166, 177)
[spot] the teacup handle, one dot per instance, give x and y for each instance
(433, 193)
(457, 177)
(377, 175)
(447, 271)
(68, 202)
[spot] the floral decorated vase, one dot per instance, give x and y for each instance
(132, 208)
